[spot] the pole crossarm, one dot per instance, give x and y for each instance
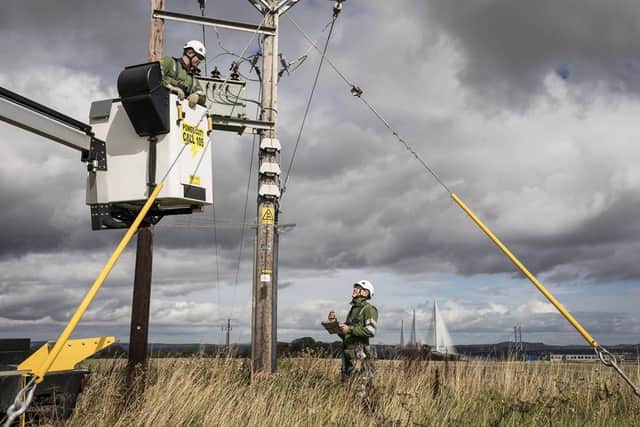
(222, 121)
(213, 22)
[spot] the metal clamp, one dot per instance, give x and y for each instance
(96, 157)
(356, 91)
(21, 403)
(609, 360)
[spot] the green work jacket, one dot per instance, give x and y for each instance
(362, 320)
(176, 74)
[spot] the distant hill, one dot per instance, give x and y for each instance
(309, 345)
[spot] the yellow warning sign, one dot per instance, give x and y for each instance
(192, 135)
(267, 216)
(194, 180)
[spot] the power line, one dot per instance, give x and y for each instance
(358, 92)
(203, 4)
(215, 234)
(246, 203)
(315, 45)
(226, 80)
(307, 108)
(244, 214)
(215, 229)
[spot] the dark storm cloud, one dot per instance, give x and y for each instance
(510, 46)
(97, 36)
(359, 199)
(349, 174)
(87, 35)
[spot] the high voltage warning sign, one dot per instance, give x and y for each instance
(193, 135)
(267, 216)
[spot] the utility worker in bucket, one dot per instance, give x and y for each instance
(361, 324)
(178, 74)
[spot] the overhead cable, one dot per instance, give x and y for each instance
(308, 107)
(358, 93)
(246, 204)
(215, 231)
(203, 4)
(605, 356)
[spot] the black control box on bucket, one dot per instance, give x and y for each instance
(144, 98)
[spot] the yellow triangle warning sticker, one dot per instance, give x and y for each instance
(267, 216)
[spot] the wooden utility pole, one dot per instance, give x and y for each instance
(156, 33)
(139, 330)
(265, 274)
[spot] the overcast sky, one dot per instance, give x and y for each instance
(527, 110)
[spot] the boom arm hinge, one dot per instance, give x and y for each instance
(96, 157)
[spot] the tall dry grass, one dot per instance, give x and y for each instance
(307, 392)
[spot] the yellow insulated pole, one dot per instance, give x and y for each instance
(592, 342)
(93, 291)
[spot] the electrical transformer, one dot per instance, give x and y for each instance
(225, 99)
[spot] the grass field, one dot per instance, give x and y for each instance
(307, 392)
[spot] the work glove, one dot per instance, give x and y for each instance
(179, 92)
(193, 100)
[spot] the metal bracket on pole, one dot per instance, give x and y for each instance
(213, 22)
(239, 125)
(285, 5)
(262, 6)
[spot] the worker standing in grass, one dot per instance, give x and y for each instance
(178, 74)
(361, 324)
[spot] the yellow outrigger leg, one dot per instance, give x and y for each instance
(74, 352)
(42, 370)
(604, 355)
(71, 352)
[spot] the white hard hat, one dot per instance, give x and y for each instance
(197, 47)
(365, 284)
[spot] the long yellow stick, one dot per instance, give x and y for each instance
(526, 272)
(88, 298)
